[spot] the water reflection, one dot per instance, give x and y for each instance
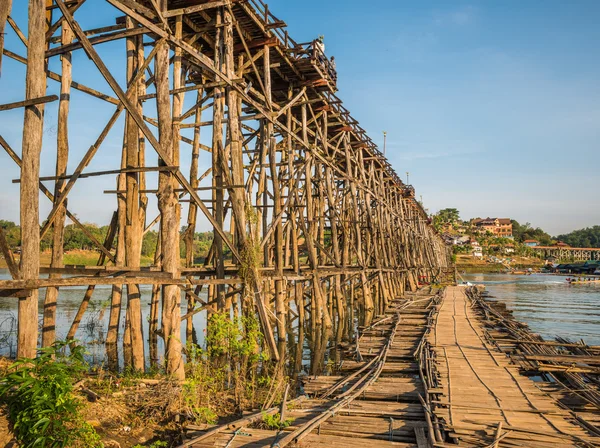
(309, 348)
(548, 304)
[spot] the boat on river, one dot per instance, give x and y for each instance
(583, 280)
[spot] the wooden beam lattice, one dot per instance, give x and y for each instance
(309, 219)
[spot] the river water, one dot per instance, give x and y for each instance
(548, 304)
(317, 347)
(92, 329)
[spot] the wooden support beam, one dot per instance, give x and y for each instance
(50, 196)
(29, 102)
(108, 37)
(5, 7)
(197, 8)
(7, 253)
(91, 52)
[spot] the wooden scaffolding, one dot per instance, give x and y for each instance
(309, 217)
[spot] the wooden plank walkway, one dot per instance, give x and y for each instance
(375, 402)
(482, 400)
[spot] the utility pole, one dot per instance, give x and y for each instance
(384, 141)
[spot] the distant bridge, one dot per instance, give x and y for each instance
(576, 253)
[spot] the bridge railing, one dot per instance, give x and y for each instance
(272, 23)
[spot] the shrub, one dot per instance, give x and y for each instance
(273, 421)
(41, 405)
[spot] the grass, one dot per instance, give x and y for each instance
(78, 258)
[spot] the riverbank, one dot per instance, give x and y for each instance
(474, 265)
(74, 257)
(151, 410)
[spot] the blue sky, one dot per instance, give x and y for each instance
(493, 107)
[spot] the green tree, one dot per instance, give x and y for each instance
(588, 237)
(446, 216)
(523, 232)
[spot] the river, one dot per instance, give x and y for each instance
(92, 331)
(94, 323)
(548, 304)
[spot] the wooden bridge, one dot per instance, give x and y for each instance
(231, 124)
(434, 371)
(567, 253)
(482, 396)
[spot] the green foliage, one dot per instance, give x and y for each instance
(232, 338)
(205, 414)
(41, 405)
(202, 243)
(226, 366)
(157, 444)
(523, 232)
(149, 243)
(588, 237)
(445, 216)
(462, 249)
(273, 421)
(12, 232)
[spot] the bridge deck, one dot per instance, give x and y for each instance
(378, 407)
(485, 397)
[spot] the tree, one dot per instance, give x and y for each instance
(588, 237)
(523, 232)
(445, 216)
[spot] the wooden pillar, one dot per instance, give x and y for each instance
(193, 209)
(134, 340)
(35, 87)
(235, 139)
(217, 170)
(168, 205)
(280, 311)
(62, 156)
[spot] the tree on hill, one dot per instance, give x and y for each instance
(445, 216)
(524, 232)
(588, 237)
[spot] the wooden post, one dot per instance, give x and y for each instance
(193, 210)
(134, 339)
(280, 310)
(217, 166)
(33, 124)
(62, 155)
(168, 205)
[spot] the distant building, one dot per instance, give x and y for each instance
(461, 240)
(531, 243)
(500, 227)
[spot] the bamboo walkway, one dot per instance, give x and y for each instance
(375, 403)
(482, 400)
